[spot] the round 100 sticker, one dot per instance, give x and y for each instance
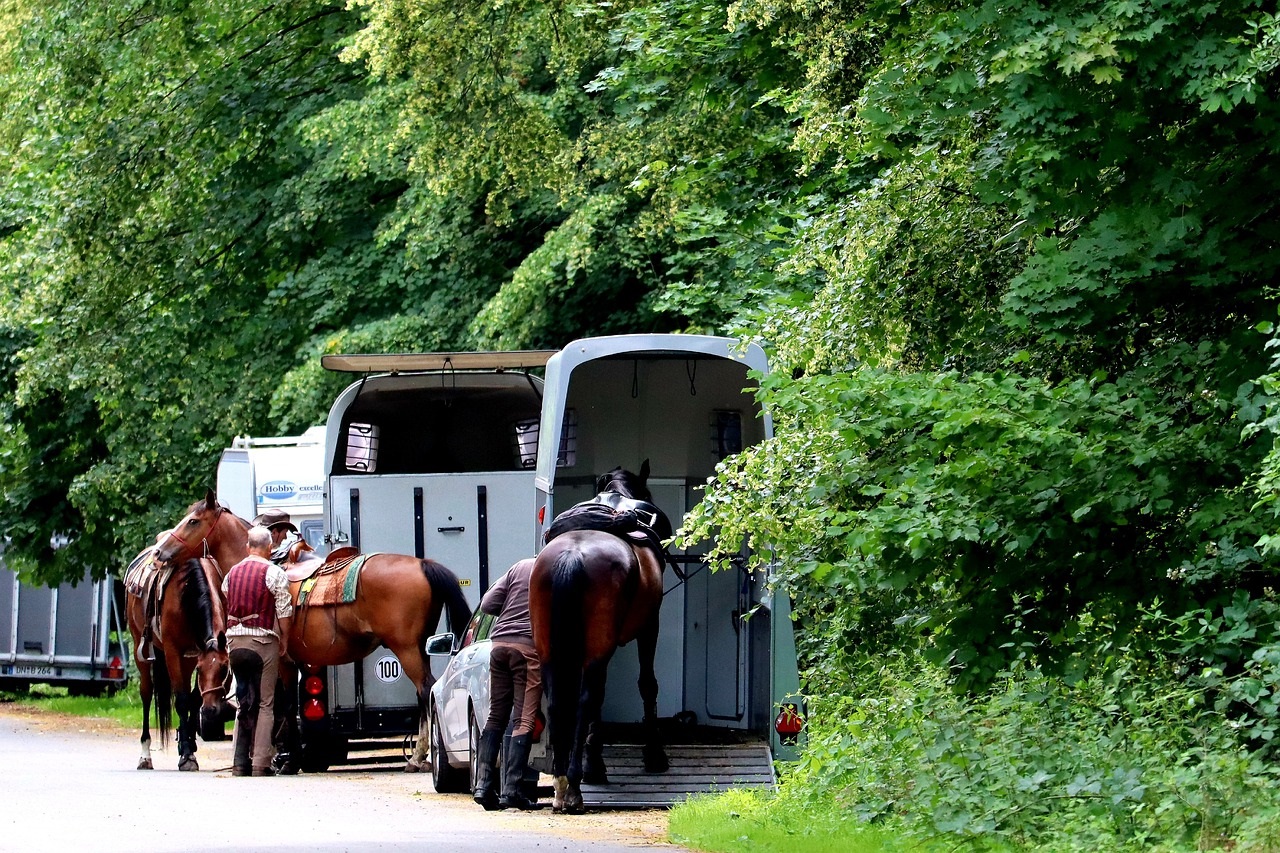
(388, 668)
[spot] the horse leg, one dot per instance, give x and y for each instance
(586, 742)
(563, 690)
(655, 757)
(183, 704)
(418, 667)
(144, 689)
(592, 752)
(285, 736)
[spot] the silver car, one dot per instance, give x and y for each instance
(459, 708)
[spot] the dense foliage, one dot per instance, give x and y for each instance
(1014, 263)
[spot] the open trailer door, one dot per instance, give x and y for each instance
(726, 662)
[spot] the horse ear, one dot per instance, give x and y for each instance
(601, 482)
(644, 470)
(210, 500)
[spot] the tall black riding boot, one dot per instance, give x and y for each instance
(515, 760)
(486, 793)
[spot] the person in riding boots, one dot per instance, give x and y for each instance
(284, 535)
(259, 617)
(515, 692)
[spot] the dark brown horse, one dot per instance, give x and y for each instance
(590, 593)
(188, 636)
(398, 604)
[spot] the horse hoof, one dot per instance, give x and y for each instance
(145, 764)
(412, 766)
(655, 761)
(188, 763)
(573, 804)
(560, 788)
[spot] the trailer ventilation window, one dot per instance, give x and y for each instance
(526, 436)
(362, 448)
(726, 433)
(527, 444)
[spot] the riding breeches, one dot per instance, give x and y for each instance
(515, 687)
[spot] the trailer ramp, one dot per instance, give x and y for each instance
(695, 769)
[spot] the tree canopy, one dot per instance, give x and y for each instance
(1013, 264)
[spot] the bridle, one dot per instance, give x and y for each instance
(187, 547)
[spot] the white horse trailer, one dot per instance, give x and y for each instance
(429, 455)
(69, 636)
(726, 660)
(283, 472)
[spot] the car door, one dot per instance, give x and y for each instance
(468, 667)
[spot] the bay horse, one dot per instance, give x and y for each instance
(188, 636)
(398, 603)
(591, 592)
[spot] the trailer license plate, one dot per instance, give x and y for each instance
(20, 669)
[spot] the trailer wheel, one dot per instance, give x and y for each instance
(445, 778)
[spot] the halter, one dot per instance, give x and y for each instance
(186, 546)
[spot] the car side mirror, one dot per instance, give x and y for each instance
(440, 644)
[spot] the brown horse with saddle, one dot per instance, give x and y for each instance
(597, 585)
(344, 608)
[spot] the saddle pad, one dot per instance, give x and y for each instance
(333, 587)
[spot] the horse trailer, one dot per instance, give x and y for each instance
(467, 457)
(430, 455)
(726, 659)
(66, 636)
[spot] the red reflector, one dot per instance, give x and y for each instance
(312, 710)
(115, 669)
(542, 514)
(788, 723)
(539, 725)
(314, 685)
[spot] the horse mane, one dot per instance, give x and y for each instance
(197, 599)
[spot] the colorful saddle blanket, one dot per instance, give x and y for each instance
(334, 583)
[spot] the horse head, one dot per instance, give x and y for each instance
(187, 536)
(625, 483)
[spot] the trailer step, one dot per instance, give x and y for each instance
(695, 769)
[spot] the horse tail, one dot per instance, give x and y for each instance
(568, 643)
(163, 694)
(446, 589)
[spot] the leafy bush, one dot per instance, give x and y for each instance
(1130, 760)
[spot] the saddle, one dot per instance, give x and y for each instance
(638, 523)
(303, 562)
(147, 579)
(333, 581)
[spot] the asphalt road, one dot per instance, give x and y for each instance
(69, 785)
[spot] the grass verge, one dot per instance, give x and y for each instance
(747, 820)
(123, 707)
